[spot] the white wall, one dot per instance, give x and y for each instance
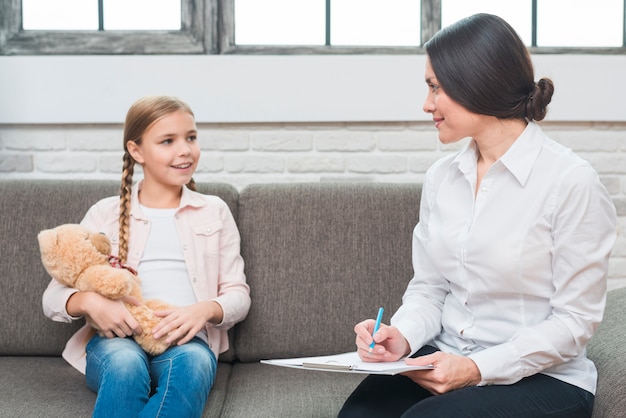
(286, 118)
(235, 88)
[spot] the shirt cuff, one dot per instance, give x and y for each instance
(411, 333)
(499, 364)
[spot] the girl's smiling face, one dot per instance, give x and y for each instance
(168, 151)
(452, 120)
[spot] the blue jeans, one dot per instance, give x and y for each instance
(131, 383)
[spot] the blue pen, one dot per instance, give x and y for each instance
(378, 319)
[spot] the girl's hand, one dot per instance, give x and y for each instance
(109, 316)
(390, 343)
(182, 324)
(451, 372)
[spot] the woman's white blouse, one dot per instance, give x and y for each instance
(513, 274)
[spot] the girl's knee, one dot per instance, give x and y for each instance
(201, 357)
(118, 355)
(128, 362)
(118, 364)
(198, 362)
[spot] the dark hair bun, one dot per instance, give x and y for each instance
(538, 100)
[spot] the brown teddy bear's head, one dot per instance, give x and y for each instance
(69, 249)
(79, 258)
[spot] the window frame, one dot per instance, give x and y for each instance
(208, 27)
(198, 35)
(430, 24)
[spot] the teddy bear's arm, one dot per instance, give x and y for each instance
(106, 280)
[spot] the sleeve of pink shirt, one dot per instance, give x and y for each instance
(233, 291)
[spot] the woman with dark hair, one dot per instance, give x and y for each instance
(510, 254)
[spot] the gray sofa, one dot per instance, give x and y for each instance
(319, 258)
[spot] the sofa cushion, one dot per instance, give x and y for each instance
(260, 390)
(319, 258)
(49, 387)
(43, 387)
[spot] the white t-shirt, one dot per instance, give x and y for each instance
(162, 268)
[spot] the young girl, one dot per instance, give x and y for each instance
(185, 247)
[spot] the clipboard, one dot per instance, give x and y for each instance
(345, 363)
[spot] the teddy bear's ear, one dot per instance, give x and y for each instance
(47, 240)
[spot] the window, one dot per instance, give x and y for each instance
(339, 23)
(59, 15)
(101, 15)
(297, 27)
(551, 23)
(193, 33)
(605, 18)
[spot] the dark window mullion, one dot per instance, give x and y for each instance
(533, 28)
(101, 15)
(327, 43)
(624, 26)
(431, 19)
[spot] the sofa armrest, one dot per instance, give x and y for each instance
(607, 349)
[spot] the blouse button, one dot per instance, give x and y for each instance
(208, 230)
(185, 247)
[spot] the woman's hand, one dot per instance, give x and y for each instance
(182, 324)
(451, 372)
(110, 317)
(390, 343)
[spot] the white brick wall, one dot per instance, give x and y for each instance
(242, 154)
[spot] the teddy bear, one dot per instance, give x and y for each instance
(80, 258)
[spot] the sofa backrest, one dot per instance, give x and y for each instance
(27, 207)
(319, 258)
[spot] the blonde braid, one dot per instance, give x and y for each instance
(192, 185)
(125, 193)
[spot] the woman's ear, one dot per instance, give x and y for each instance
(135, 151)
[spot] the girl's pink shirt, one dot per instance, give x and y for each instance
(211, 247)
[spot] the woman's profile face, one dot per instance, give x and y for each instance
(452, 120)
